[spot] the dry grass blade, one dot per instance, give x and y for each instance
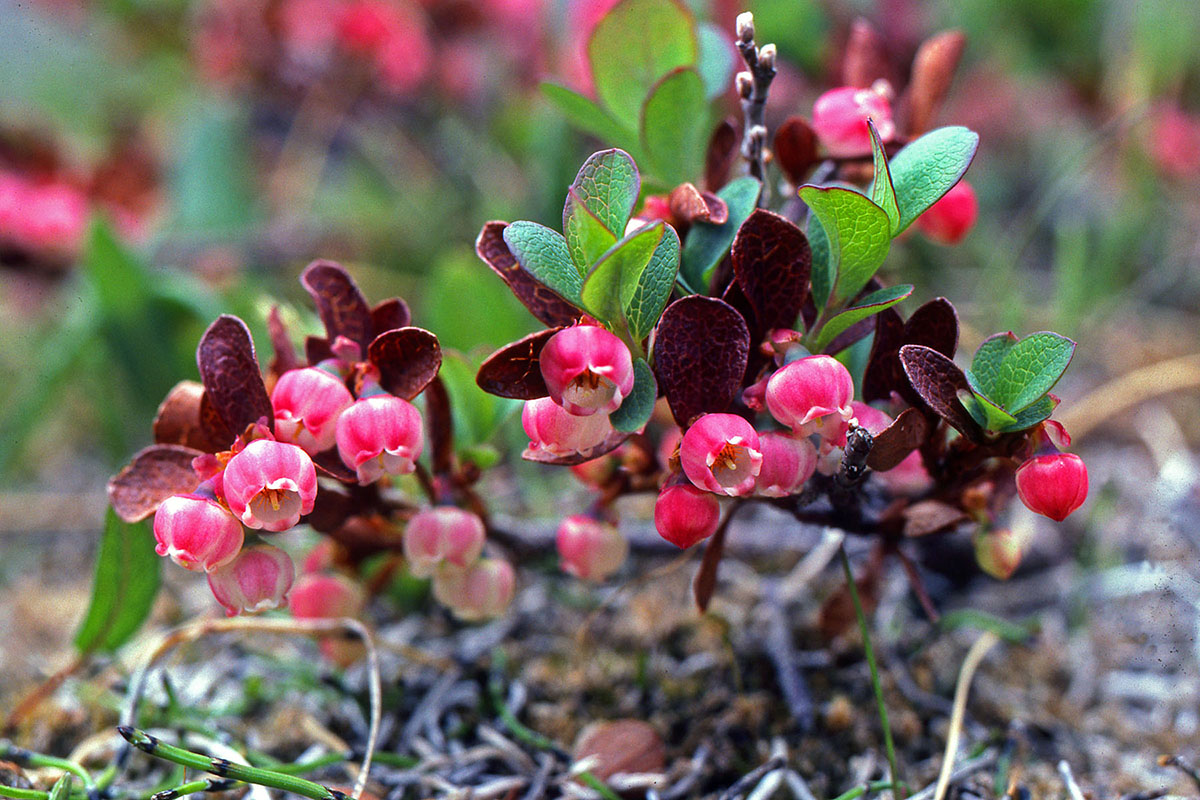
(1129, 390)
(974, 656)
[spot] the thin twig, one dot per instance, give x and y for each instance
(1073, 790)
(753, 87)
(743, 784)
(978, 650)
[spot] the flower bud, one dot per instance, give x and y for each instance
(587, 370)
(322, 596)
(269, 485)
(998, 552)
(380, 435)
(442, 534)
(590, 549)
(196, 532)
(554, 431)
(307, 404)
(840, 121)
(812, 395)
(684, 515)
(480, 591)
(257, 580)
(949, 219)
(787, 464)
(719, 453)
(1053, 485)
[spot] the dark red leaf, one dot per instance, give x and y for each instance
(701, 348)
(154, 474)
(704, 584)
(390, 314)
(865, 58)
(932, 72)
(772, 263)
(341, 306)
(722, 152)
(186, 418)
(230, 374)
(893, 444)
(407, 359)
(938, 380)
(317, 349)
(441, 427)
(796, 148)
(934, 324)
(621, 745)
(513, 370)
(544, 304)
(689, 204)
(931, 516)
(285, 357)
(614, 440)
(859, 330)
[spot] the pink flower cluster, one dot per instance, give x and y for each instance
(42, 216)
(446, 543)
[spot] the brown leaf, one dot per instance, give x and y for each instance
(390, 314)
(934, 324)
(865, 58)
(701, 348)
(316, 349)
(513, 370)
(796, 149)
(893, 444)
(932, 73)
(772, 263)
(722, 152)
(187, 418)
(622, 745)
(614, 440)
(931, 516)
(441, 427)
(544, 304)
(407, 358)
(938, 380)
(704, 585)
(285, 357)
(689, 204)
(341, 306)
(230, 374)
(154, 474)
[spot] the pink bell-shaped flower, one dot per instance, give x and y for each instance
(257, 580)
(481, 591)
(443, 534)
(840, 120)
(307, 404)
(269, 485)
(951, 217)
(685, 515)
(380, 435)
(317, 595)
(1053, 485)
(554, 431)
(587, 370)
(812, 395)
(719, 453)
(196, 532)
(589, 548)
(787, 464)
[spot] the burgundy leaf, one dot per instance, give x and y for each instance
(722, 152)
(893, 444)
(407, 359)
(701, 348)
(856, 332)
(216, 433)
(621, 745)
(513, 370)
(390, 314)
(931, 516)
(341, 306)
(934, 324)
(938, 380)
(544, 304)
(689, 204)
(230, 374)
(154, 474)
(772, 263)
(285, 357)
(932, 72)
(441, 427)
(614, 440)
(865, 60)
(317, 349)
(186, 418)
(796, 148)
(704, 584)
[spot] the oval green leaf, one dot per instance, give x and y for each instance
(859, 236)
(871, 304)
(927, 168)
(636, 409)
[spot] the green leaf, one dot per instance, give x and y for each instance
(715, 62)
(543, 254)
(883, 194)
(707, 244)
(871, 304)
(587, 238)
(989, 415)
(589, 116)
(985, 366)
(633, 47)
(1032, 415)
(927, 168)
(822, 265)
(636, 409)
(654, 287)
(674, 127)
(1031, 368)
(210, 186)
(859, 236)
(608, 184)
(612, 282)
(124, 589)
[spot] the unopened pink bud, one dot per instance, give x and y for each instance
(590, 549)
(307, 403)
(684, 515)
(380, 435)
(554, 431)
(719, 453)
(443, 534)
(480, 591)
(269, 485)
(1053, 485)
(196, 532)
(587, 370)
(319, 596)
(952, 217)
(840, 120)
(812, 395)
(596, 472)
(257, 580)
(787, 464)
